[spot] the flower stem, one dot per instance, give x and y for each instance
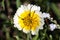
(29, 36)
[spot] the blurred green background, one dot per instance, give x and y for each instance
(8, 9)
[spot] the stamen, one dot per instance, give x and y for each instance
(33, 13)
(30, 11)
(21, 18)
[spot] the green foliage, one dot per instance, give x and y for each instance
(35, 38)
(18, 3)
(56, 10)
(11, 33)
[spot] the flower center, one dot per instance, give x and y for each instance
(29, 19)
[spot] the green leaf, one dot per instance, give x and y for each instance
(3, 16)
(18, 38)
(35, 38)
(50, 37)
(3, 4)
(55, 9)
(7, 33)
(18, 3)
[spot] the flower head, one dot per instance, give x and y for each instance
(52, 26)
(29, 19)
(46, 15)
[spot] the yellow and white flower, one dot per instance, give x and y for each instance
(29, 19)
